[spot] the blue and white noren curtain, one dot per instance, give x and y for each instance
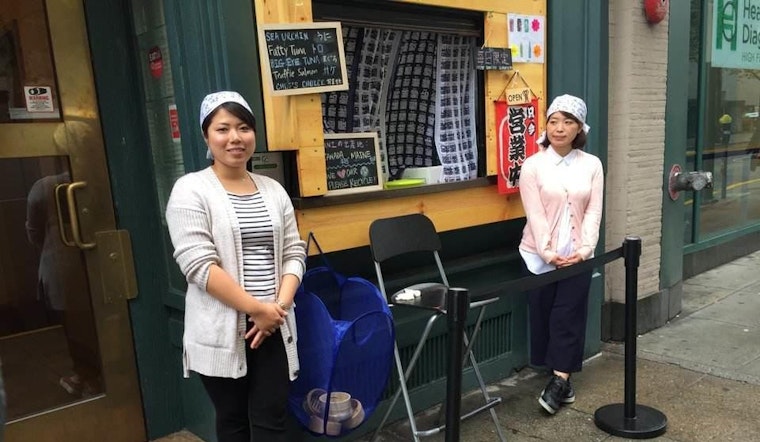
(417, 90)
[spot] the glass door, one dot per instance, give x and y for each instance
(65, 271)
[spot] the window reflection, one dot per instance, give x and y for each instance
(731, 151)
(48, 341)
(723, 137)
(27, 77)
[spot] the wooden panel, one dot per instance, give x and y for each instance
(312, 173)
(312, 178)
(347, 226)
(294, 122)
(502, 6)
(495, 29)
(308, 120)
(279, 111)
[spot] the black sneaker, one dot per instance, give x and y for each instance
(569, 397)
(557, 392)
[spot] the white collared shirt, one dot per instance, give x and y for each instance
(534, 262)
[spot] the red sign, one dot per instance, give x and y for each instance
(174, 122)
(655, 10)
(155, 62)
(517, 132)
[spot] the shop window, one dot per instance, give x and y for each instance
(418, 89)
(723, 129)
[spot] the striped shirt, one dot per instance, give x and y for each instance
(258, 243)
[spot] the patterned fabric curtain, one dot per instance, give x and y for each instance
(455, 136)
(376, 62)
(337, 107)
(370, 56)
(417, 90)
(410, 109)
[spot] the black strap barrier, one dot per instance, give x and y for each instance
(632, 421)
(628, 419)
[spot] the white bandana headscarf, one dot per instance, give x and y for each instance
(216, 99)
(570, 104)
(212, 101)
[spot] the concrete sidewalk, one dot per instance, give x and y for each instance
(702, 370)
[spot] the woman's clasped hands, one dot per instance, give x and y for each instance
(564, 261)
(266, 318)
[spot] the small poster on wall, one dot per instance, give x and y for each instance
(526, 38)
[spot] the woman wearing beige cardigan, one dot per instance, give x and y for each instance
(236, 241)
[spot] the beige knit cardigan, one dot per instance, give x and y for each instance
(204, 229)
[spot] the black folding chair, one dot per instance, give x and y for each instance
(402, 235)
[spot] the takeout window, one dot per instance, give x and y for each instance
(300, 122)
(417, 93)
(405, 73)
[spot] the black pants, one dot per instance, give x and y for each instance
(254, 408)
(558, 314)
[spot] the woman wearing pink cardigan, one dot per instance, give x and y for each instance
(562, 189)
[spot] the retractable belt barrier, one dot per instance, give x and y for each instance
(528, 283)
(625, 420)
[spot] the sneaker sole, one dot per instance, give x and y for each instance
(546, 406)
(564, 401)
(69, 387)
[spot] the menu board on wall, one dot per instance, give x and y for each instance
(352, 163)
(303, 58)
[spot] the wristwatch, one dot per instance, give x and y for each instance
(283, 305)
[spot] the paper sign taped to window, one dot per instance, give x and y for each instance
(38, 99)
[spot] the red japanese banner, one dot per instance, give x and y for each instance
(517, 132)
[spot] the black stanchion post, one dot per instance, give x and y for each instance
(630, 420)
(457, 301)
(631, 255)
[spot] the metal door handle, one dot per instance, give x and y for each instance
(61, 229)
(74, 216)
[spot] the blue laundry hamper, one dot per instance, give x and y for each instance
(345, 347)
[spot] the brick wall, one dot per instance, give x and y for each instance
(637, 74)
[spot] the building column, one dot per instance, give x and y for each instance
(638, 67)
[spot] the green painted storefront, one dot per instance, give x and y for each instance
(211, 45)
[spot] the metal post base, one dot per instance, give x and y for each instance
(647, 424)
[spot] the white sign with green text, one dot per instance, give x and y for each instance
(736, 34)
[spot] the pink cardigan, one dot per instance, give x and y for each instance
(544, 197)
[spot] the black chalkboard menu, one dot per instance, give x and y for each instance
(352, 163)
(493, 59)
(303, 58)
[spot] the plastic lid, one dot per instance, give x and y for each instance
(404, 182)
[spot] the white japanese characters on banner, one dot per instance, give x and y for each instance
(526, 38)
(517, 131)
